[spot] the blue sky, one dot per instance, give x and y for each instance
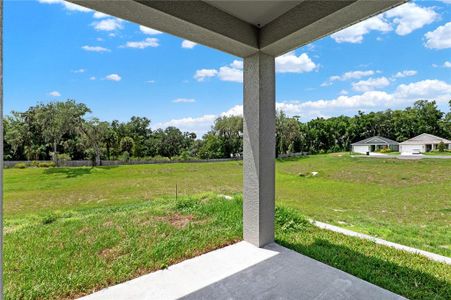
(56, 51)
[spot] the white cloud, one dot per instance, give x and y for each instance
(95, 49)
(349, 75)
(290, 63)
(232, 72)
(355, 33)
(149, 31)
(404, 95)
(405, 18)
(188, 44)
(447, 64)
(352, 75)
(79, 71)
(148, 42)
(237, 64)
(440, 38)
(405, 73)
(200, 75)
(113, 77)
(67, 5)
(370, 84)
(236, 110)
(150, 81)
(367, 99)
(409, 17)
(184, 100)
(55, 94)
(199, 125)
(431, 89)
(110, 24)
(92, 78)
(100, 15)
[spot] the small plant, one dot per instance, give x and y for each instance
(187, 204)
(125, 156)
(62, 158)
(20, 165)
(441, 147)
(185, 155)
(49, 219)
(289, 220)
(385, 150)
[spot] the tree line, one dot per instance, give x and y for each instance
(62, 131)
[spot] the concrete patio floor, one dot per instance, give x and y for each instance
(243, 271)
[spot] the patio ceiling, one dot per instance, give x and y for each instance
(243, 28)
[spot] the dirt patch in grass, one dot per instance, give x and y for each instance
(110, 254)
(180, 221)
(84, 230)
(108, 224)
(177, 220)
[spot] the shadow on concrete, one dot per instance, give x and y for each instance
(72, 172)
(290, 275)
(243, 271)
(402, 280)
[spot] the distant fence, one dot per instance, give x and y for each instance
(88, 163)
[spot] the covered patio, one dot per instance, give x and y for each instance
(257, 31)
(243, 271)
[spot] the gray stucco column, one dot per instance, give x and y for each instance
(259, 149)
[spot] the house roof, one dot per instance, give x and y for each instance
(425, 138)
(375, 140)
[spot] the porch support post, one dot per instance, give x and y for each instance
(259, 149)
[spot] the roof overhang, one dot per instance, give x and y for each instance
(243, 28)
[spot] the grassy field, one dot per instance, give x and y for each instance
(72, 253)
(69, 231)
(403, 201)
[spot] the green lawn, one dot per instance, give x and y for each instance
(69, 231)
(403, 201)
(444, 153)
(75, 252)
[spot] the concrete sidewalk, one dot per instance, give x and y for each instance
(243, 271)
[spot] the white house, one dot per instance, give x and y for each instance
(374, 144)
(423, 143)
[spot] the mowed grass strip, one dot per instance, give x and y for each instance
(403, 201)
(67, 254)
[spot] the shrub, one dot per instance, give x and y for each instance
(160, 158)
(35, 163)
(335, 149)
(46, 164)
(441, 147)
(20, 165)
(385, 150)
(63, 157)
(125, 156)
